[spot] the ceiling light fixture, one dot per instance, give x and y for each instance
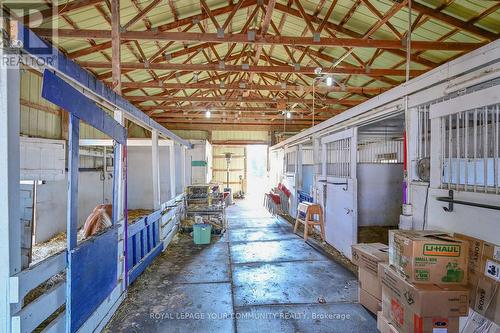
(329, 81)
(288, 114)
(208, 114)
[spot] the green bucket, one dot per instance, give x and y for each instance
(202, 233)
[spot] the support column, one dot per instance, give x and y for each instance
(119, 176)
(10, 227)
(172, 170)
(119, 202)
(155, 153)
(115, 45)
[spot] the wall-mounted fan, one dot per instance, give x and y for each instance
(424, 169)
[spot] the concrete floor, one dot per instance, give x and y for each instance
(259, 277)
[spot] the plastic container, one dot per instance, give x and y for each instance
(202, 233)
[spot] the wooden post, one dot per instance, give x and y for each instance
(115, 45)
(10, 228)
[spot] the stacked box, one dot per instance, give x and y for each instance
(367, 257)
(428, 257)
(484, 276)
(421, 308)
(384, 325)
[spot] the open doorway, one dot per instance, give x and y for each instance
(256, 172)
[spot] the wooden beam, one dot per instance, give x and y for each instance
(263, 87)
(64, 8)
(246, 100)
(454, 22)
(240, 122)
(345, 31)
(266, 39)
(249, 69)
(141, 14)
(252, 116)
(168, 26)
(116, 46)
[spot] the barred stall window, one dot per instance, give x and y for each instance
(290, 161)
(470, 150)
(338, 158)
(424, 132)
(381, 152)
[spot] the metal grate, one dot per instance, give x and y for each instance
(470, 150)
(338, 158)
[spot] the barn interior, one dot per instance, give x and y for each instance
(250, 166)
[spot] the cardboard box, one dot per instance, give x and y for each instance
(425, 300)
(384, 325)
(369, 302)
(479, 250)
(370, 283)
(429, 257)
(401, 316)
(477, 323)
(485, 297)
(484, 275)
(368, 255)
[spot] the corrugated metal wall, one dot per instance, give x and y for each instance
(44, 123)
(237, 166)
(240, 135)
(192, 135)
(43, 119)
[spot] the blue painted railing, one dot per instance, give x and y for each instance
(303, 196)
(143, 244)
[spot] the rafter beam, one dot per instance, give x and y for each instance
(263, 87)
(174, 99)
(65, 8)
(454, 22)
(141, 14)
(250, 68)
(267, 39)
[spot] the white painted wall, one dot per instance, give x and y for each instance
(52, 201)
(477, 222)
(140, 181)
(380, 194)
(164, 173)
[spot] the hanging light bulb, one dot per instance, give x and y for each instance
(208, 114)
(288, 114)
(329, 81)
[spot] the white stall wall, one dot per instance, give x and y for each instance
(164, 173)
(380, 193)
(51, 201)
(139, 178)
(477, 222)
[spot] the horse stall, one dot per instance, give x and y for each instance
(380, 178)
(59, 278)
